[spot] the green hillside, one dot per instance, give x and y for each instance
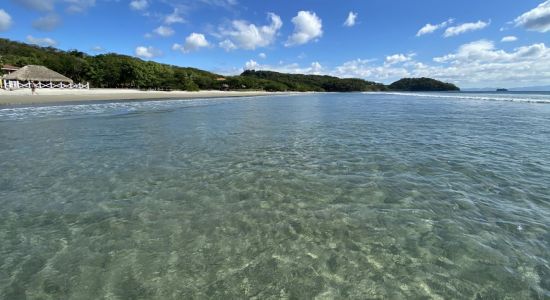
(422, 84)
(121, 71)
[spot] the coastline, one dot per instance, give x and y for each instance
(53, 96)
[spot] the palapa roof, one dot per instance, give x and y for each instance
(37, 73)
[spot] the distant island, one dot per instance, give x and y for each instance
(121, 71)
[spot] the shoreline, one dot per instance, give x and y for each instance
(24, 97)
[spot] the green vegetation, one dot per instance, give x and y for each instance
(422, 84)
(122, 71)
(108, 70)
(318, 83)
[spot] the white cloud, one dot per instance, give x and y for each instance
(429, 28)
(147, 52)
(509, 38)
(480, 64)
(5, 20)
(483, 51)
(164, 31)
(249, 36)
(262, 55)
(476, 64)
(466, 27)
(139, 4)
(227, 45)
(350, 21)
(47, 23)
(398, 58)
(193, 42)
(98, 49)
(307, 27)
(364, 68)
(314, 68)
(44, 42)
(251, 65)
(174, 17)
(537, 19)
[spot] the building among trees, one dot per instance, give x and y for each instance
(39, 76)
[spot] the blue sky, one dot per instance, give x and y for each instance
(469, 42)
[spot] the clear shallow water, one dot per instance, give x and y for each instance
(330, 196)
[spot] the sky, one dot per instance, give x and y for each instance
(472, 43)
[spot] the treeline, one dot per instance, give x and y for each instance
(107, 70)
(318, 83)
(422, 84)
(122, 71)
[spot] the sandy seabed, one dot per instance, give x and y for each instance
(42, 96)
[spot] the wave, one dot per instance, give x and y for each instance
(527, 98)
(104, 108)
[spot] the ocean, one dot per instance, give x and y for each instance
(357, 196)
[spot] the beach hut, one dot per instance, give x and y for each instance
(40, 76)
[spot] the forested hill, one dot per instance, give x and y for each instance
(422, 84)
(122, 71)
(300, 82)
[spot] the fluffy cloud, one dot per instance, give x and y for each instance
(307, 27)
(5, 20)
(164, 31)
(174, 17)
(147, 52)
(537, 19)
(466, 27)
(249, 36)
(364, 68)
(227, 45)
(350, 21)
(398, 58)
(476, 64)
(480, 64)
(314, 68)
(44, 42)
(430, 28)
(483, 51)
(47, 23)
(509, 38)
(193, 42)
(251, 65)
(139, 4)
(262, 55)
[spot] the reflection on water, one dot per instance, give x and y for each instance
(329, 196)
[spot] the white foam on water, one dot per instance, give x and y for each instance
(526, 98)
(108, 108)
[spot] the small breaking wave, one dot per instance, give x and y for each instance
(98, 109)
(526, 98)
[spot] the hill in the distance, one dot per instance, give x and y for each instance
(121, 71)
(422, 85)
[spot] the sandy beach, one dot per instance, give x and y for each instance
(45, 96)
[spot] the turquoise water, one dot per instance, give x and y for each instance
(394, 196)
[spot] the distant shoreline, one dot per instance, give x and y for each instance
(54, 96)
